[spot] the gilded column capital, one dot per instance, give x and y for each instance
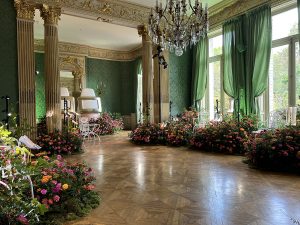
(24, 10)
(142, 30)
(50, 14)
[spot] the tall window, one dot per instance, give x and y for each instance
(284, 74)
(297, 68)
(216, 99)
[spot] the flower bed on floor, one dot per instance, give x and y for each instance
(67, 141)
(148, 134)
(175, 133)
(275, 150)
(108, 123)
(42, 190)
(225, 137)
(60, 142)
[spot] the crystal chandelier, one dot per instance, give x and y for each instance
(174, 27)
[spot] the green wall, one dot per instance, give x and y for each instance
(180, 77)
(119, 80)
(8, 54)
(40, 86)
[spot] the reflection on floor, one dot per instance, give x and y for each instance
(154, 185)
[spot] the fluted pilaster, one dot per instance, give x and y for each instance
(52, 81)
(26, 65)
(148, 97)
(161, 89)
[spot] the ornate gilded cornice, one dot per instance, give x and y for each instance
(24, 10)
(112, 11)
(76, 64)
(87, 51)
(220, 6)
(237, 8)
(50, 14)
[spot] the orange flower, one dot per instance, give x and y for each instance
(45, 179)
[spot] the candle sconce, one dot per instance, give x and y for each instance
(6, 111)
(100, 89)
(291, 116)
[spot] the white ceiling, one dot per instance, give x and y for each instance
(93, 33)
(151, 3)
(99, 34)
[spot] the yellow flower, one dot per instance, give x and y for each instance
(65, 186)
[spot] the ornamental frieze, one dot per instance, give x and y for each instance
(117, 12)
(87, 51)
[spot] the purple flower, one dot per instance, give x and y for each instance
(43, 191)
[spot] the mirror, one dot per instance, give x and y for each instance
(67, 80)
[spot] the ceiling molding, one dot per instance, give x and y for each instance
(220, 6)
(91, 52)
(117, 12)
(239, 7)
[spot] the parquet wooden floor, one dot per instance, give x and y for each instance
(158, 185)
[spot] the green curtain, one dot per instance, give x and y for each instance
(247, 46)
(234, 62)
(258, 32)
(200, 71)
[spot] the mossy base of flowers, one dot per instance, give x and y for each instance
(277, 150)
(71, 209)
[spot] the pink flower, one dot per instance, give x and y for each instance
(22, 219)
(45, 201)
(54, 182)
(43, 191)
(59, 158)
(56, 198)
(50, 201)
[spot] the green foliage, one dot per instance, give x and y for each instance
(275, 149)
(44, 191)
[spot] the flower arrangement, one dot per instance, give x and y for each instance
(44, 191)
(108, 123)
(60, 142)
(17, 203)
(67, 141)
(226, 136)
(64, 188)
(148, 134)
(178, 132)
(275, 149)
(175, 133)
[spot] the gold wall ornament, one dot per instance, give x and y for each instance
(50, 14)
(24, 10)
(142, 30)
(76, 64)
(106, 9)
